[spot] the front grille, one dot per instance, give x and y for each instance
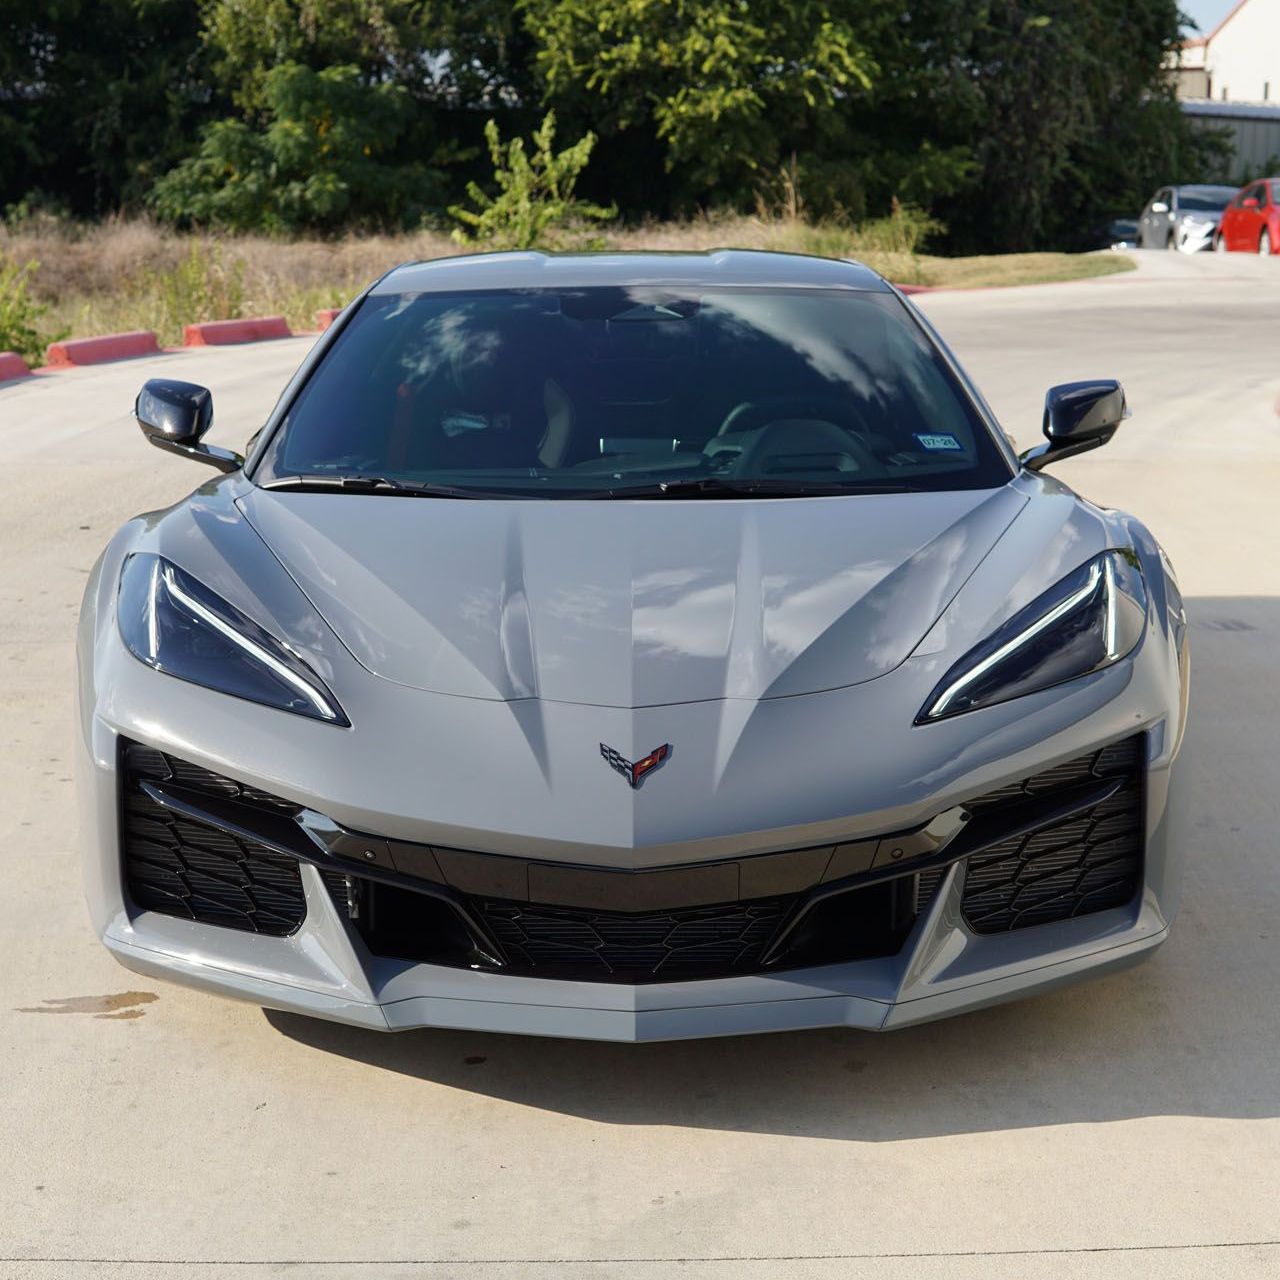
(1048, 867)
(1088, 862)
(184, 868)
(663, 945)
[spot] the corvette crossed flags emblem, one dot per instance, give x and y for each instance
(636, 772)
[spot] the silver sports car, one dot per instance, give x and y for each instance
(631, 647)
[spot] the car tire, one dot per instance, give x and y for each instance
(1171, 241)
(1219, 243)
(1264, 242)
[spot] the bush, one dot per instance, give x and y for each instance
(38, 213)
(200, 287)
(20, 313)
(324, 160)
(904, 231)
(535, 206)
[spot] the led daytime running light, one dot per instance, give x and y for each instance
(1025, 637)
(255, 651)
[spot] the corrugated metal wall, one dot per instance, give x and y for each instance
(1252, 132)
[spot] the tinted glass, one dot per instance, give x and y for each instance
(1205, 199)
(610, 390)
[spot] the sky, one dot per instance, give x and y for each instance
(1207, 13)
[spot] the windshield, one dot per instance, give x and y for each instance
(617, 392)
(1205, 199)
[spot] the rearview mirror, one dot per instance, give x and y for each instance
(1078, 416)
(174, 416)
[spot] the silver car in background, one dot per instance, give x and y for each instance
(631, 647)
(1183, 218)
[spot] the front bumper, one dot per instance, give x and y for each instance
(1197, 237)
(524, 780)
(942, 967)
(852, 996)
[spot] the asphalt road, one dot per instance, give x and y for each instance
(1124, 1128)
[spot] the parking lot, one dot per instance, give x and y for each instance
(1128, 1127)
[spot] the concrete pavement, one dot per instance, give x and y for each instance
(1124, 1128)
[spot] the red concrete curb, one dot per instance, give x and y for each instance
(111, 346)
(916, 288)
(218, 333)
(12, 366)
(326, 316)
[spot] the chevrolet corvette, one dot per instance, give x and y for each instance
(631, 647)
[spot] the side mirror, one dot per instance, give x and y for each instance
(174, 416)
(1078, 416)
(1249, 202)
(1159, 206)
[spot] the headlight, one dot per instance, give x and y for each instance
(177, 625)
(1091, 619)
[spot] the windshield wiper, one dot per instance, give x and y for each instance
(360, 483)
(701, 487)
(730, 487)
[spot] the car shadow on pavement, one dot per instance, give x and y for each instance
(1193, 1031)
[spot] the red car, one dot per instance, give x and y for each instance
(1251, 222)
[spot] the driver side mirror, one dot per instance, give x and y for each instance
(174, 416)
(1159, 206)
(1078, 416)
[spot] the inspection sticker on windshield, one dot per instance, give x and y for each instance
(940, 442)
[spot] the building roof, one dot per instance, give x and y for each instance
(1223, 110)
(1231, 13)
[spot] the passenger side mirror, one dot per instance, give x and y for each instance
(1078, 416)
(174, 416)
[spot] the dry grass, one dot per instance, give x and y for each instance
(1021, 268)
(134, 275)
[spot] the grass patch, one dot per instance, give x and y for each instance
(130, 274)
(1020, 268)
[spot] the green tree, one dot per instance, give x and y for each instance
(456, 53)
(535, 207)
(727, 89)
(1073, 119)
(324, 159)
(447, 61)
(97, 97)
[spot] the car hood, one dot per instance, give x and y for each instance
(630, 603)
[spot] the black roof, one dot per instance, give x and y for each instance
(535, 270)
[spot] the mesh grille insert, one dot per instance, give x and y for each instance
(689, 943)
(178, 867)
(1089, 862)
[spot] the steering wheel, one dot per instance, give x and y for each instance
(754, 414)
(790, 437)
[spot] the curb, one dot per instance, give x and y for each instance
(220, 333)
(326, 316)
(111, 346)
(12, 366)
(917, 288)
